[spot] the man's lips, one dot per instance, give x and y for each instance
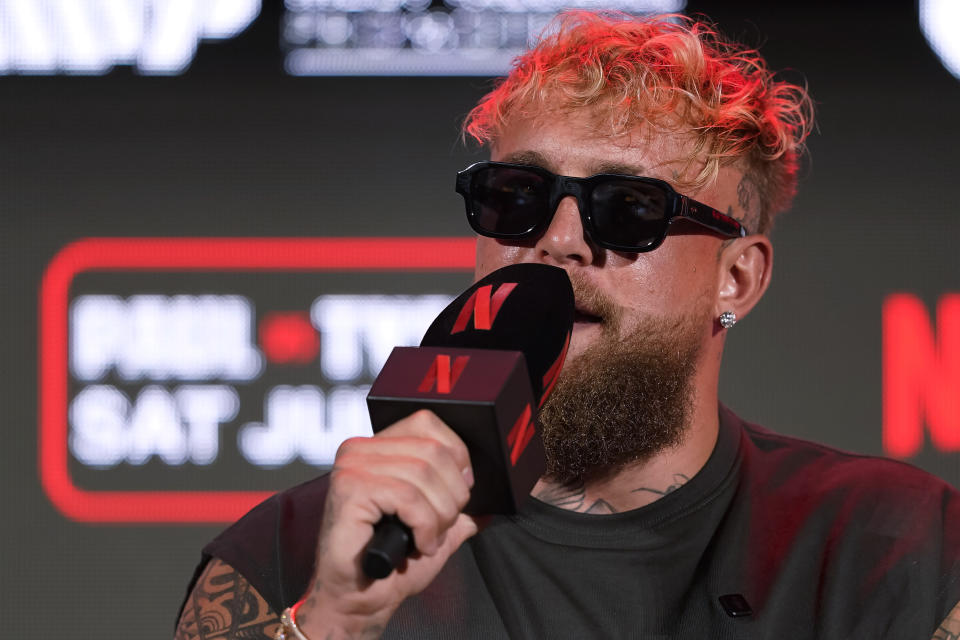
(582, 315)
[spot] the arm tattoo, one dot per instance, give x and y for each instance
(223, 606)
(950, 628)
(679, 480)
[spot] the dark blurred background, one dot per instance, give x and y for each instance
(233, 145)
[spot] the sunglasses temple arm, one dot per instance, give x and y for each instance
(710, 217)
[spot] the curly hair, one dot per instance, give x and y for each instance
(670, 72)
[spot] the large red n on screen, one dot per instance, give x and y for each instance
(921, 375)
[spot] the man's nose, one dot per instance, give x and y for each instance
(565, 240)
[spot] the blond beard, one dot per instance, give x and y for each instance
(624, 399)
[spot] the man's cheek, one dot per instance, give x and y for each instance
(493, 254)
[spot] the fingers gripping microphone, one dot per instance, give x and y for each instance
(485, 366)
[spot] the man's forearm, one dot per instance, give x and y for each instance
(224, 606)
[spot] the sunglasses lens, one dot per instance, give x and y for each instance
(508, 201)
(628, 213)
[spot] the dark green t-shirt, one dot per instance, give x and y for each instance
(813, 542)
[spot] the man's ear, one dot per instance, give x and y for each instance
(745, 267)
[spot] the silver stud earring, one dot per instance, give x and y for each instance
(728, 319)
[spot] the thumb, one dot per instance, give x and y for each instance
(463, 528)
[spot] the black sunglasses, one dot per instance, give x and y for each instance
(623, 213)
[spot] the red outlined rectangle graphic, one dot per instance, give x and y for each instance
(185, 255)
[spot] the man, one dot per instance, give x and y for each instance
(662, 514)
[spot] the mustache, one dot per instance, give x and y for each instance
(591, 300)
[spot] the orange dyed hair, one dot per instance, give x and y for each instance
(675, 74)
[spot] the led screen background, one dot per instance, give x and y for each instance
(236, 147)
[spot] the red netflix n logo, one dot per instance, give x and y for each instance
(520, 435)
(921, 374)
(443, 374)
(483, 306)
(550, 377)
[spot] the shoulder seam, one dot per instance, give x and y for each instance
(766, 434)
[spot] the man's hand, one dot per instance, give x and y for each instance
(418, 469)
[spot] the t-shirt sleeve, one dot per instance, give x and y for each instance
(274, 545)
(911, 553)
(949, 595)
(872, 545)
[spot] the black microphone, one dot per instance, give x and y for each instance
(485, 366)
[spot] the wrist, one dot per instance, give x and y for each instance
(306, 620)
